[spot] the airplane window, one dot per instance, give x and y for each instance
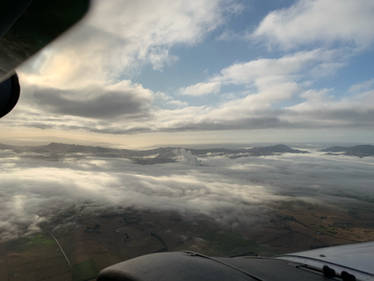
(225, 128)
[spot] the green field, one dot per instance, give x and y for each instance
(84, 271)
(290, 227)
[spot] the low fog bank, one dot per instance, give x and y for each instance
(36, 186)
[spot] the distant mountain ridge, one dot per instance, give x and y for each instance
(54, 151)
(243, 152)
(356, 150)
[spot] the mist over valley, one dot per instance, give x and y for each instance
(105, 205)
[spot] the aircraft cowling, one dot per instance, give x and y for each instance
(26, 27)
(9, 94)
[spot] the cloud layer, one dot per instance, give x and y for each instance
(86, 80)
(307, 22)
(34, 188)
(126, 107)
(111, 101)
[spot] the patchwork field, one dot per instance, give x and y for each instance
(94, 242)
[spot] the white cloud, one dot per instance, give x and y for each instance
(119, 36)
(268, 82)
(363, 86)
(166, 100)
(264, 72)
(322, 109)
(200, 89)
(77, 88)
(267, 85)
(78, 74)
(307, 22)
(273, 70)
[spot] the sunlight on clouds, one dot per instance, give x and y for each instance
(19, 202)
(85, 86)
(363, 86)
(201, 89)
(266, 72)
(118, 36)
(225, 189)
(306, 22)
(95, 183)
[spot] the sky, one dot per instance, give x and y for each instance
(144, 73)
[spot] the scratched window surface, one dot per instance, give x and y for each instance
(226, 127)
